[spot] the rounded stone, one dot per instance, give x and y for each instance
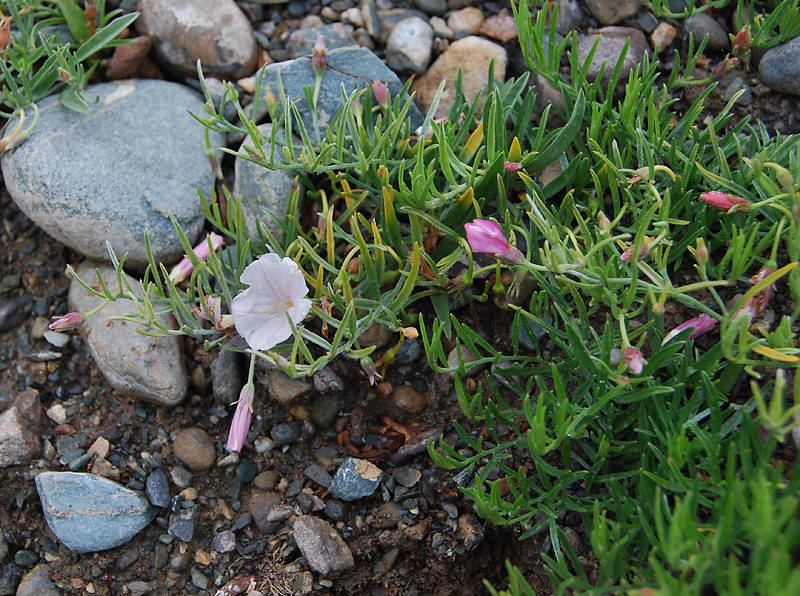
(146, 367)
(609, 48)
(409, 399)
(195, 448)
(216, 32)
(473, 55)
(409, 46)
(609, 12)
(37, 582)
(704, 25)
(466, 21)
(136, 159)
(779, 69)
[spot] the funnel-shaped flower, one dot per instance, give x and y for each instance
(724, 202)
(240, 425)
(699, 325)
(277, 289)
(634, 360)
(487, 236)
(71, 320)
(756, 305)
(184, 268)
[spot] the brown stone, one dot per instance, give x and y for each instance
(19, 430)
(409, 399)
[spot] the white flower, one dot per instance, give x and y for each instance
(277, 288)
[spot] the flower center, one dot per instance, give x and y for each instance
(278, 308)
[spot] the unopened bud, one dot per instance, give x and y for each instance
(603, 223)
(381, 92)
(319, 56)
(741, 42)
(726, 65)
(410, 333)
(701, 254)
(658, 308)
(63, 74)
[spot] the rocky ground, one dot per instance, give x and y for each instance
(332, 457)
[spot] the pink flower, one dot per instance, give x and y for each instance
(487, 236)
(634, 360)
(240, 425)
(184, 268)
(71, 320)
(214, 308)
(277, 289)
(512, 166)
(319, 56)
(699, 325)
(628, 253)
(724, 202)
(381, 92)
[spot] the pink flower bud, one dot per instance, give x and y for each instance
(487, 236)
(381, 92)
(184, 268)
(720, 69)
(240, 425)
(741, 43)
(71, 320)
(319, 56)
(756, 305)
(725, 202)
(628, 253)
(512, 166)
(699, 325)
(634, 360)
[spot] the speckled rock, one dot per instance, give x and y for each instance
(19, 430)
(262, 191)
(779, 69)
(609, 49)
(195, 448)
(610, 12)
(322, 546)
(134, 160)
(149, 368)
(216, 32)
(408, 48)
(355, 479)
(88, 513)
(473, 55)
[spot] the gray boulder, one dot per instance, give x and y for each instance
(780, 68)
(135, 159)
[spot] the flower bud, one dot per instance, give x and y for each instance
(319, 56)
(410, 333)
(634, 360)
(726, 65)
(240, 425)
(381, 92)
(741, 42)
(701, 254)
(71, 320)
(725, 202)
(603, 223)
(512, 166)
(63, 74)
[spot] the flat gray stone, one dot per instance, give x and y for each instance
(262, 191)
(355, 479)
(323, 547)
(19, 430)
(354, 68)
(150, 368)
(88, 513)
(136, 159)
(779, 69)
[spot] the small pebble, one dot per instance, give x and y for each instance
(195, 448)
(246, 471)
(224, 542)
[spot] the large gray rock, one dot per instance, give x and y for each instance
(261, 190)
(352, 67)
(780, 68)
(336, 35)
(704, 25)
(88, 513)
(216, 32)
(19, 429)
(136, 159)
(609, 49)
(150, 368)
(409, 46)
